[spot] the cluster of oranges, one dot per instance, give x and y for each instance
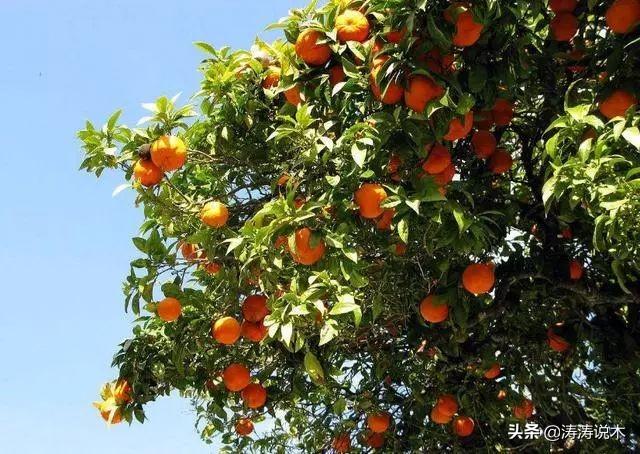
(237, 378)
(114, 396)
(167, 153)
(444, 411)
(377, 424)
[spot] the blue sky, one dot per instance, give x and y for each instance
(66, 242)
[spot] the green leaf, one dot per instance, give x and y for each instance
(345, 304)
(358, 154)
(632, 135)
(403, 229)
(313, 367)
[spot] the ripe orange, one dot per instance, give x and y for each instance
(147, 173)
(191, 252)
(502, 112)
(484, 144)
(446, 176)
(244, 427)
(433, 309)
(500, 162)
(395, 36)
(226, 330)
(213, 267)
(384, 221)
(374, 440)
(617, 104)
(478, 278)
(214, 214)
(107, 412)
(438, 417)
(122, 392)
(438, 63)
(559, 6)
(394, 91)
(447, 405)
(306, 254)
(576, 270)
(293, 96)
(468, 31)
(524, 410)
(492, 372)
(341, 443)
(254, 395)
(394, 164)
(254, 308)
(564, 26)
(623, 15)
(254, 332)
(308, 49)
(168, 153)
(352, 25)
(169, 309)
(236, 377)
(336, 75)
(284, 178)
(420, 91)
(463, 426)
(379, 422)
(368, 198)
(272, 79)
(438, 159)
(459, 129)
(557, 343)
(400, 248)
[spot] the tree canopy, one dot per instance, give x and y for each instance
(404, 226)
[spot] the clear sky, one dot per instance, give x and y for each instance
(65, 241)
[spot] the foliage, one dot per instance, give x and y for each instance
(345, 338)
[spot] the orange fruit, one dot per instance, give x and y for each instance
(214, 214)
(336, 75)
(281, 242)
(284, 178)
(502, 112)
(576, 270)
(623, 15)
(492, 372)
(293, 96)
(244, 427)
(524, 410)
(400, 249)
(352, 25)
(308, 49)
(559, 6)
(226, 330)
(122, 392)
(463, 426)
(420, 91)
(254, 332)
(394, 91)
(379, 422)
(478, 278)
(212, 267)
(384, 221)
(395, 36)
(306, 254)
(468, 31)
(446, 176)
(438, 417)
(617, 104)
(147, 173)
(341, 443)
(236, 377)
(374, 440)
(191, 252)
(438, 160)
(557, 343)
(368, 198)
(394, 164)
(438, 63)
(433, 309)
(460, 129)
(254, 308)
(168, 153)
(272, 79)
(563, 27)
(500, 162)
(254, 395)
(169, 309)
(106, 414)
(447, 405)
(483, 143)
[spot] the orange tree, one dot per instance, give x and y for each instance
(405, 226)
